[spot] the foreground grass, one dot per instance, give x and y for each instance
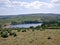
(36, 37)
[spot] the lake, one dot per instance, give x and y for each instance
(24, 25)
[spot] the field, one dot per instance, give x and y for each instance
(46, 34)
(4, 20)
(37, 37)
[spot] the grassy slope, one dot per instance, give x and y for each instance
(33, 38)
(20, 19)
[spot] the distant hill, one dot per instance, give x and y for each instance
(36, 14)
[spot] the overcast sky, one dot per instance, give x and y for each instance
(13, 7)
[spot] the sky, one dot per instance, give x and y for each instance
(14, 7)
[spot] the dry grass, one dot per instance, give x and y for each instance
(33, 38)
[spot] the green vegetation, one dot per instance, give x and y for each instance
(24, 30)
(4, 34)
(9, 31)
(53, 25)
(0, 26)
(46, 34)
(28, 18)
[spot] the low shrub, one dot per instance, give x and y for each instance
(49, 37)
(23, 30)
(18, 30)
(4, 34)
(10, 33)
(32, 29)
(1, 32)
(38, 27)
(14, 34)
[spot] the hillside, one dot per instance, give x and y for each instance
(39, 17)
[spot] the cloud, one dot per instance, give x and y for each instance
(29, 5)
(55, 1)
(35, 4)
(32, 5)
(6, 3)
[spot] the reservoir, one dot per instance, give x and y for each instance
(24, 25)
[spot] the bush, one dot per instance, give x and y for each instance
(1, 32)
(18, 30)
(14, 34)
(28, 29)
(49, 37)
(31, 27)
(38, 27)
(41, 29)
(23, 30)
(10, 33)
(4, 34)
(43, 26)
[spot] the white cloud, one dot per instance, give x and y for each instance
(29, 5)
(55, 1)
(4, 0)
(6, 3)
(35, 4)
(32, 5)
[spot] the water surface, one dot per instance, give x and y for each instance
(24, 25)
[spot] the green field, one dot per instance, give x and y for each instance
(37, 37)
(22, 18)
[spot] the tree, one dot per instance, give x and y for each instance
(32, 28)
(38, 27)
(44, 26)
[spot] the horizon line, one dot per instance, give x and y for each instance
(27, 13)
